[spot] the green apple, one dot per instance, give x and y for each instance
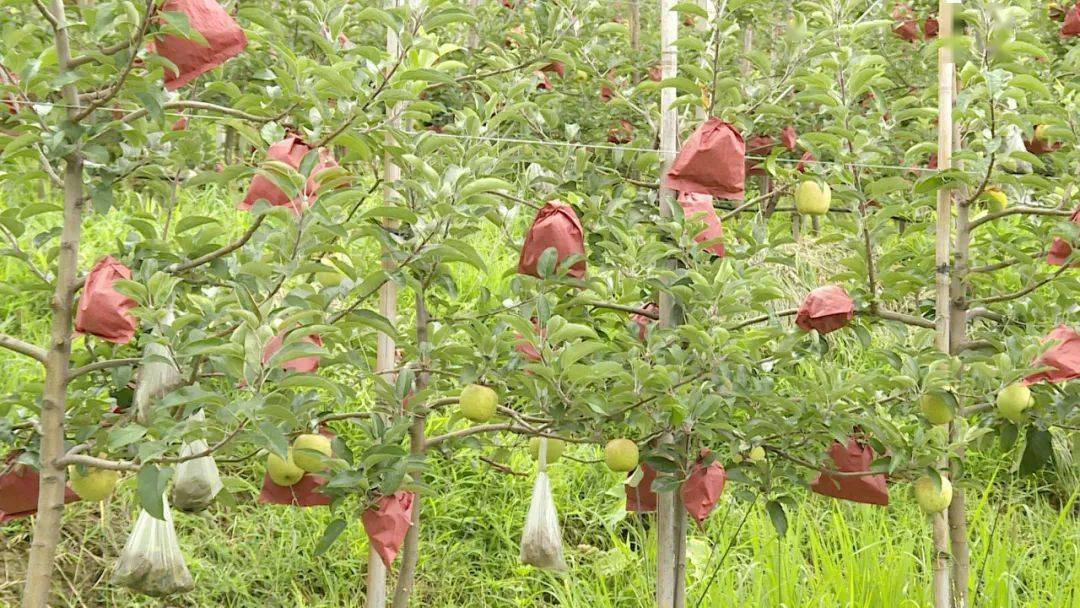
(1040, 132)
(283, 472)
(478, 403)
(930, 498)
(555, 448)
(315, 443)
(95, 485)
(581, 75)
(998, 199)
(1013, 400)
(812, 198)
(621, 455)
(757, 454)
(936, 408)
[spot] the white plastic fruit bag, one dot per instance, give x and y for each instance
(541, 542)
(151, 562)
(197, 481)
(156, 378)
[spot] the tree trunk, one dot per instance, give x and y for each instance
(54, 398)
(958, 535)
(411, 553)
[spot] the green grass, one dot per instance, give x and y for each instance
(1024, 546)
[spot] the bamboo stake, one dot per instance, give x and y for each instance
(635, 25)
(666, 514)
(50, 505)
(385, 359)
(946, 78)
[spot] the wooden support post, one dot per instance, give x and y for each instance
(669, 131)
(943, 257)
(385, 356)
(635, 25)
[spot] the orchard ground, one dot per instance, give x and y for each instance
(1025, 532)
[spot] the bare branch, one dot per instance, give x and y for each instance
(628, 309)
(200, 105)
(217, 253)
(97, 365)
(1025, 291)
(889, 315)
(467, 431)
(989, 217)
(105, 50)
(120, 80)
(45, 13)
(74, 457)
(763, 318)
(511, 197)
(23, 348)
(502, 468)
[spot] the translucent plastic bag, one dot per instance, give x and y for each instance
(541, 543)
(197, 481)
(151, 562)
(156, 378)
(1014, 142)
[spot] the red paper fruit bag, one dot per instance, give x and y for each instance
(19, 490)
(305, 365)
(699, 208)
(1072, 22)
(1063, 357)
(825, 309)
(906, 27)
(290, 151)
(788, 137)
(304, 493)
(555, 66)
(556, 225)
(543, 83)
(643, 321)
(712, 161)
(224, 40)
(641, 499)
(807, 158)
(103, 311)
(703, 488)
(387, 523)
(930, 28)
(758, 145)
(853, 458)
(1060, 249)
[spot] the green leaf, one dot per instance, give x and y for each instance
(1037, 451)
(484, 184)
(151, 483)
(331, 534)
(778, 516)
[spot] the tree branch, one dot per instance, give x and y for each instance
(889, 315)
(1023, 292)
(763, 318)
(109, 364)
(45, 13)
(989, 217)
(74, 457)
(23, 348)
(200, 105)
(217, 253)
(628, 309)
